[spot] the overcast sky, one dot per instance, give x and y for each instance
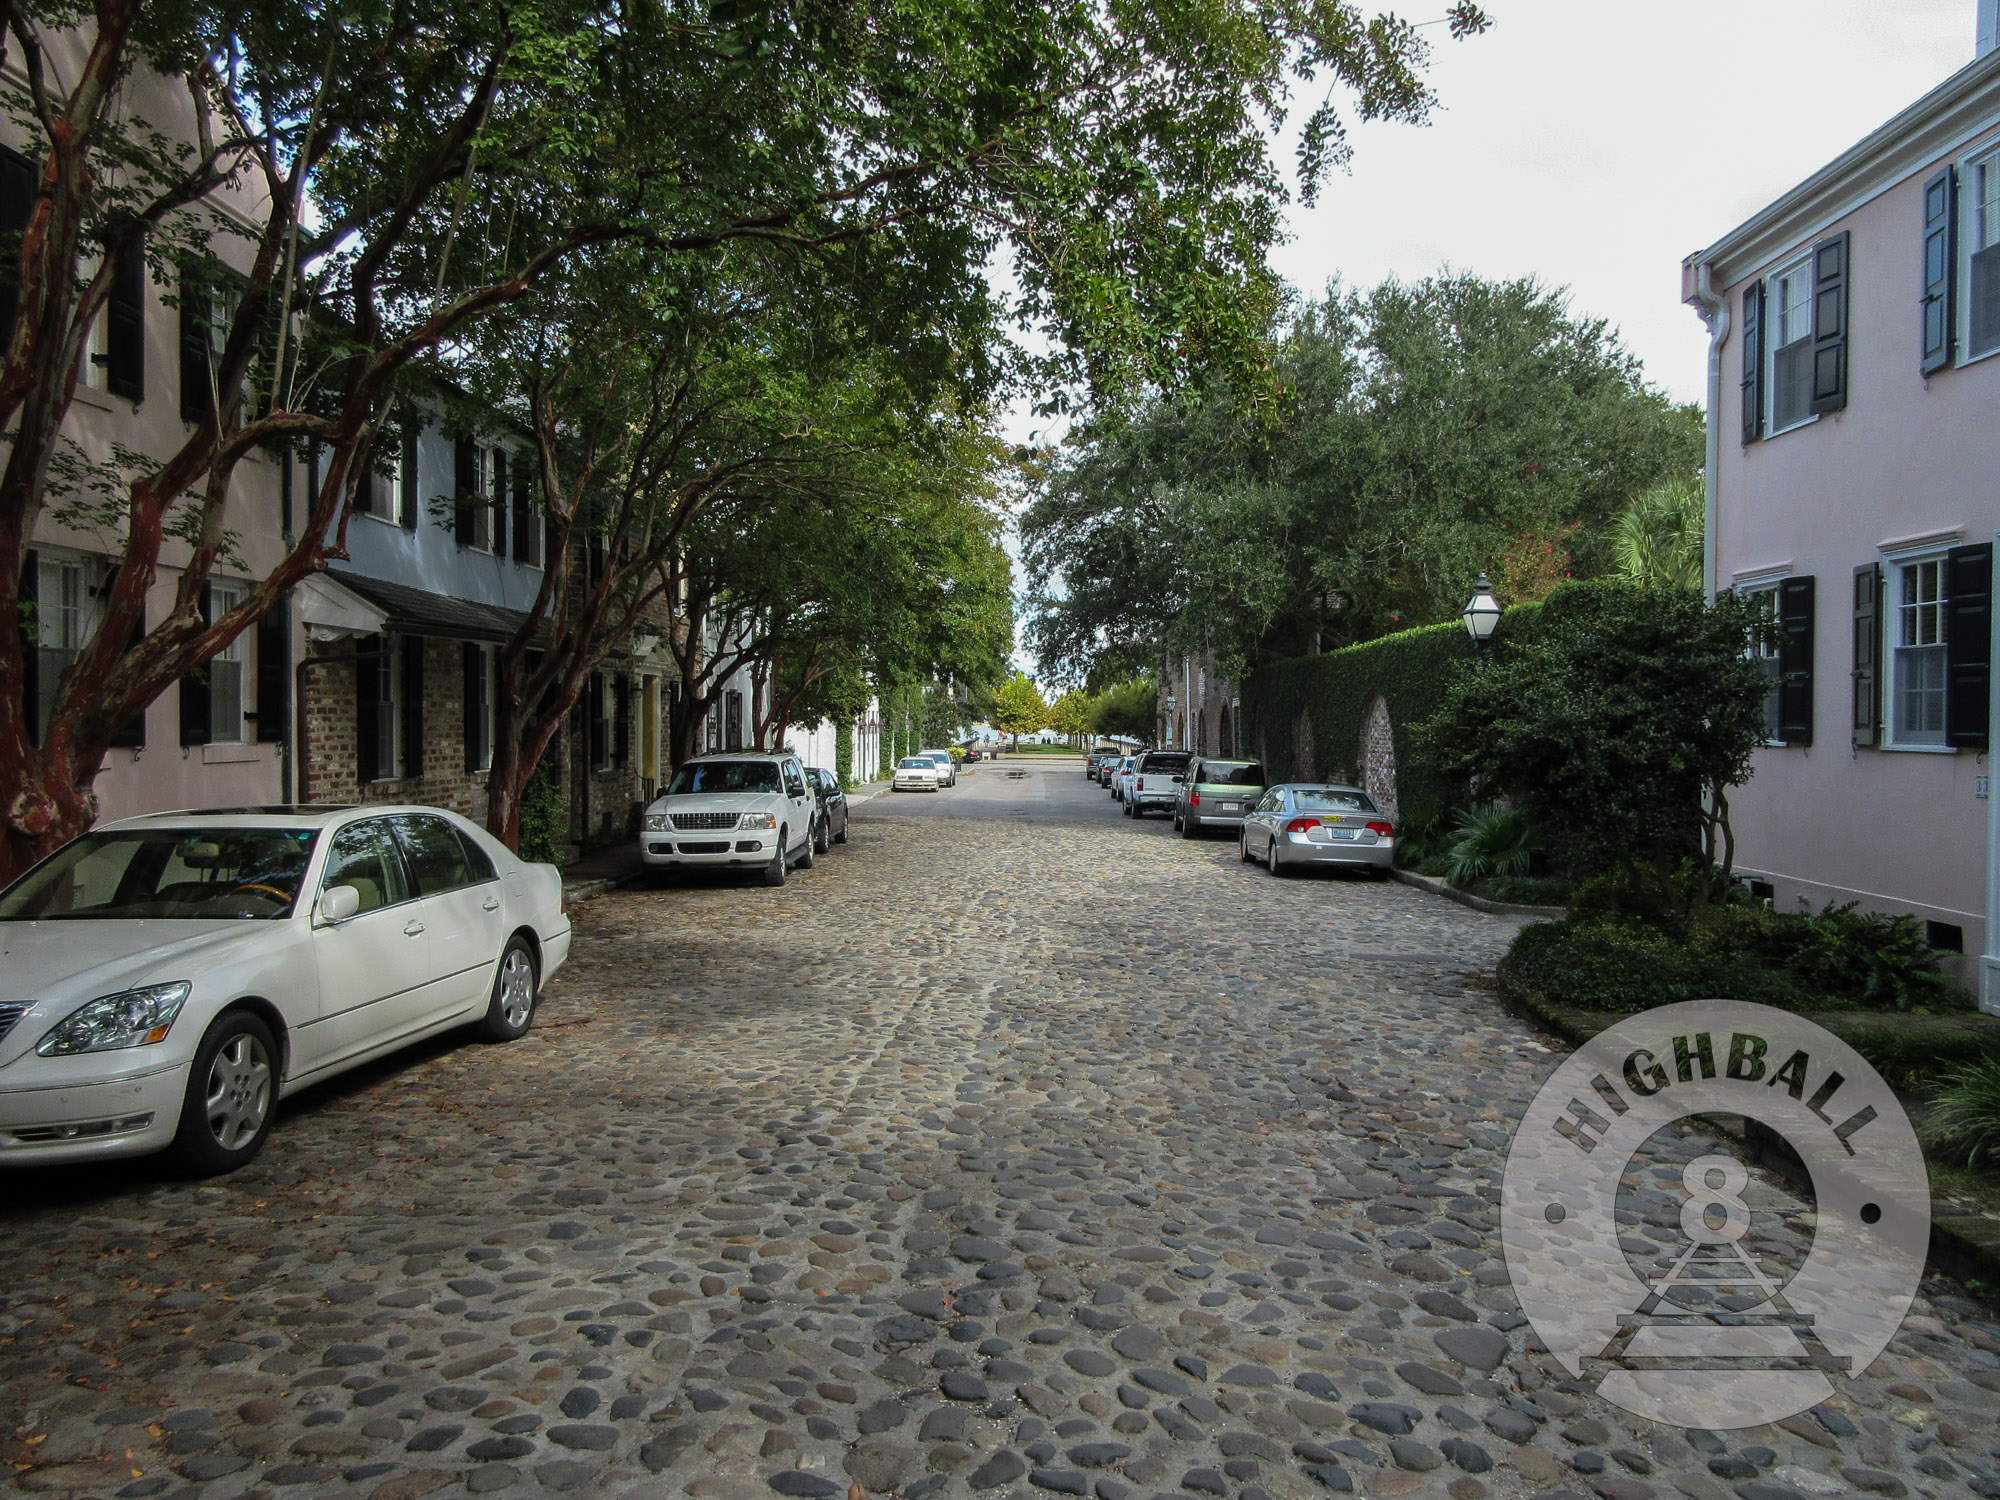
(1594, 143)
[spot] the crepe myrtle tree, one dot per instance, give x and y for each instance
(395, 173)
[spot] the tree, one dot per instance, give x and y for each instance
(1658, 538)
(1422, 434)
(1127, 710)
(1619, 723)
(1071, 714)
(409, 170)
(1018, 708)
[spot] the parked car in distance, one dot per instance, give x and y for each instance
(1216, 794)
(832, 825)
(947, 767)
(1095, 760)
(1121, 776)
(1316, 823)
(1108, 768)
(1156, 781)
(973, 755)
(168, 979)
(747, 809)
(917, 773)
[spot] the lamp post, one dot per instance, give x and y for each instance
(1481, 614)
(1172, 704)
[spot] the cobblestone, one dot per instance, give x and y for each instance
(1007, 1154)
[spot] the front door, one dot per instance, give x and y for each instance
(462, 910)
(374, 967)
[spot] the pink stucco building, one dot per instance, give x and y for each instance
(1853, 446)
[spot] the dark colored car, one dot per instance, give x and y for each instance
(832, 825)
(972, 756)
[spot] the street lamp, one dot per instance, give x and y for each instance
(1172, 704)
(1481, 614)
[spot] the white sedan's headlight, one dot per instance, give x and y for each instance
(111, 1023)
(656, 822)
(758, 820)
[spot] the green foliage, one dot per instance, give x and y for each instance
(544, 815)
(1073, 714)
(1422, 434)
(843, 752)
(1657, 540)
(1018, 708)
(1881, 960)
(1489, 841)
(1838, 959)
(1963, 1119)
(1411, 671)
(1523, 890)
(1618, 722)
(1126, 709)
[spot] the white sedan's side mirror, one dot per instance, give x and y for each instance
(337, 903)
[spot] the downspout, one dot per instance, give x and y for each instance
(1714, 311)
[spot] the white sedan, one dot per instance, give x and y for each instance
(917, 773)
(165, 980)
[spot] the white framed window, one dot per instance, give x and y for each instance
(482, 488)
(1916, 656)
(1788, 358)
(1764, 644)
(380, 488)
(1979, 256)
(227, 671)
(62, 624)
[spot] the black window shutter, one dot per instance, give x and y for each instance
(125, 326)
(1940, 269)
(1829, 367)
(1753, 361)
(131, 735)
(195, 393)
(1868, 655)
(621, 722)
(17, 202)
(413, 705)
(596, 721)
(499, 499)
(407, 501)
(31, 658)
(475, 707)
(1795, 661)
(1968, 645)
(368, 669)
(465, 486)
(194, 695)
(524, 508)
(274, 671)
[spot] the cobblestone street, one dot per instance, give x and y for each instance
(1014, 1148)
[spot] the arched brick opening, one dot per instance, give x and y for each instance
(1378, 757)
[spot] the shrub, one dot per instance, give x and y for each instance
(1881, 961)
(1964, 1118)
(1491, 841)
(544, 815)
(1524, 890)
(1622, 964)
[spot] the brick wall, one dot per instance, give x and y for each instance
(330, 718)
(1378, 758)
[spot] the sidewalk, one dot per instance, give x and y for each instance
(617, 865)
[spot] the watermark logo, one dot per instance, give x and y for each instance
(1714, 1302)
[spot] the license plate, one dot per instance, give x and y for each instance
(1231, 807)
(1340, 833)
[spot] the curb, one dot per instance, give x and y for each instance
(1451, 892)
(1965, 1246)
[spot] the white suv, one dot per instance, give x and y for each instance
(947, 767)
(746, 809)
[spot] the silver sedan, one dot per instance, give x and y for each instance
(1316, 823)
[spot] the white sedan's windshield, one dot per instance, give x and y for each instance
(919, 763)
(171, 873)
(724, 776)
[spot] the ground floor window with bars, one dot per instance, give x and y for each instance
(226, 671)
(1917, 653)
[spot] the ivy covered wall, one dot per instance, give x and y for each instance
(1304, 717)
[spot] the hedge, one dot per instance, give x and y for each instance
(1410, 670)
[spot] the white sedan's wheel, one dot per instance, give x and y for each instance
(1271, 856)
(512, 1009)
(232, 1086)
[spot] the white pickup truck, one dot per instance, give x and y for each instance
(1156, 781)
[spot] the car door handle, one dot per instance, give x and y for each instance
(489, 904)
(413, 929)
